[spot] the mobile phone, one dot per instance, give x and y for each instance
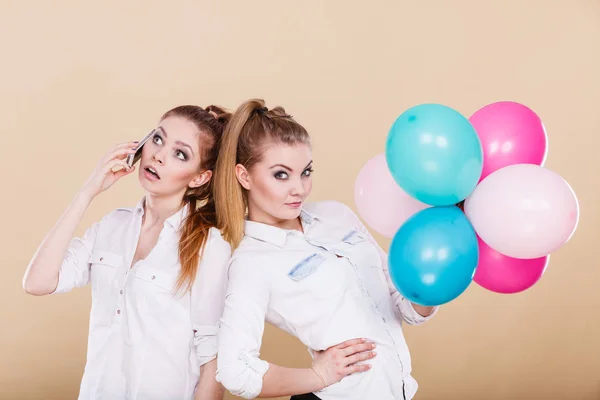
(133, 158)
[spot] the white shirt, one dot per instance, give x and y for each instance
(297, 282)
(145, 343)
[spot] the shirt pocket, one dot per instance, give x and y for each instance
(318, 276)
(354, 243)
(306, 267)
(367, 262)
(157, 280)
(103, 269)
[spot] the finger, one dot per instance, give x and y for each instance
(122, 172)
(350, 342)
(351, 369)
(109, 166)
(116, 149)
(353, 359)
(120, 154)
(358, 348)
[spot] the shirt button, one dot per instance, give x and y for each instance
(101, 258)
(118, 311)
(153, 277)
(121, 291)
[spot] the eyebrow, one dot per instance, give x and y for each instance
(288, 168)
(179, 142)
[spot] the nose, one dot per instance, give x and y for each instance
(158, 157)
(298, 188)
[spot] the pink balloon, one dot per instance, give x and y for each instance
(380, 201)
(523, 211)
(502, 274)
(510, 133)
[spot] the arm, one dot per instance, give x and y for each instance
(42, 274)
(208, 388)
(208, 297)
(241, 370)
(412, 313)
(51, 260)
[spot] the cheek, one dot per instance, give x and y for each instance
(270, 190)
(308, 186)
(180, 174)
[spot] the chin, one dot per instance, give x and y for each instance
(291, 214)
(151, 187)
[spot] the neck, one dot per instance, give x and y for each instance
(158, 208)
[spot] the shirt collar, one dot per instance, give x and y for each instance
(278, 236)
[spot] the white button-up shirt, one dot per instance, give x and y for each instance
(145, 342)
(297, 282)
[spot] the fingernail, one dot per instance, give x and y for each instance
(372, 345)
(374, 353)
(363, 339)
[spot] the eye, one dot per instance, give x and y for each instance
(181, 155)
(157, 139)
(307, 172)
(281, 175)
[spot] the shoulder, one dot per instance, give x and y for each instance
(216, 245)
(253, 257)
(118, 216)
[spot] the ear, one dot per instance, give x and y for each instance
(200, 179)
(242, 176)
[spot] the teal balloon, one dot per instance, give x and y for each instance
(433, 257)
(434, 154)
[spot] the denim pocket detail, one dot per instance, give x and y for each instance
(306, 267)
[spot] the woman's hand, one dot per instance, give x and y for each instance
(104, 175)
(342, 360)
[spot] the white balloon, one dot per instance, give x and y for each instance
(523, 211)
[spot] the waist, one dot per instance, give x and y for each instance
(383, 381)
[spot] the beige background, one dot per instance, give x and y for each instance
(77, 77)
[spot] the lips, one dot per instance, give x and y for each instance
(296, 204)
(152, 172)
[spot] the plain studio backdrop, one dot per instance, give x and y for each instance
(79, 77)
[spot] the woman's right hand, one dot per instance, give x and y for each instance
(342, 360)
(103, 176)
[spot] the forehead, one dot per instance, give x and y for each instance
(295, 156)
(179, 128)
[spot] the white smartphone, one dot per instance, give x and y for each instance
(133, 158)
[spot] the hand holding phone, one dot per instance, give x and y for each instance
(133, 158)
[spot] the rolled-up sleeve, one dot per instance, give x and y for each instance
(75, 268)
(403, 306)
(240, 369)
(208, 297)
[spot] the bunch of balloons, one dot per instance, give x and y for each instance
(466, 200)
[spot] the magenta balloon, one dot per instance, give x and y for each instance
(510, 133)
(502, 274)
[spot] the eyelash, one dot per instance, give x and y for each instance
(279, 173)
(183, 157)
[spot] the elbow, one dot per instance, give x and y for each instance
(419, 314)
(35, 289)
(238, 378)
(233, 383)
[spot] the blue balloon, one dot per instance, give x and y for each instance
(433, 256)
(434, 154)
